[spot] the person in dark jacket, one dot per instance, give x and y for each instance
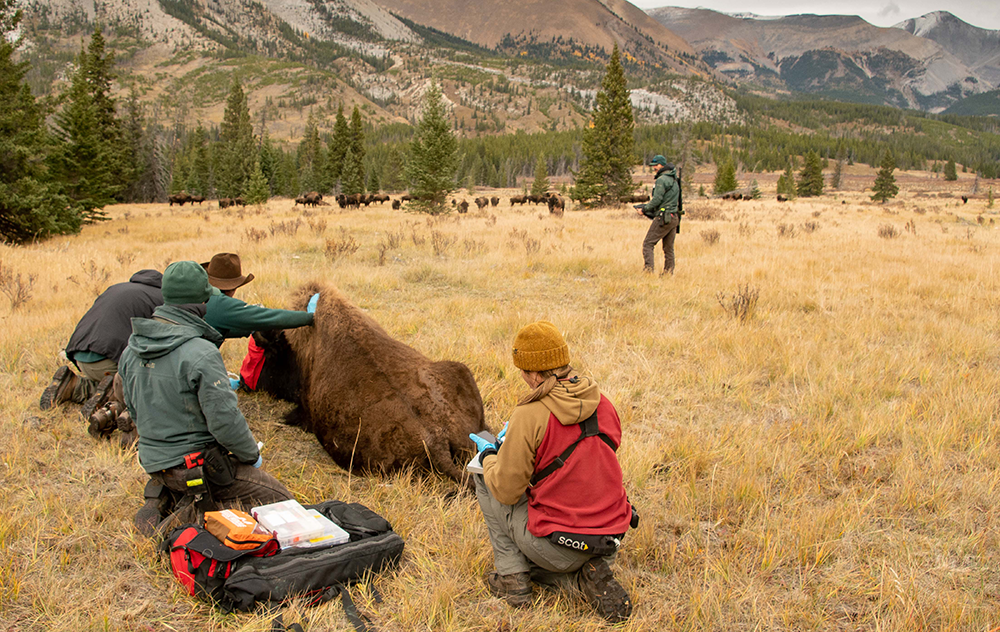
(99, 339)
(663, 208)
(177, 391)
(555, 525)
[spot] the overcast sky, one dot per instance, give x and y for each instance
(982, 13)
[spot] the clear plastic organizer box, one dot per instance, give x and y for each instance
(294, 525)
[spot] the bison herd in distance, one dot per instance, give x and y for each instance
(555, 203)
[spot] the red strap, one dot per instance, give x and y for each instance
(193, 460)
(252, 365)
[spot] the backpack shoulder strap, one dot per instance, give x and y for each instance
(588, 428)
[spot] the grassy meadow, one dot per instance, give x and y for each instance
(825, 458)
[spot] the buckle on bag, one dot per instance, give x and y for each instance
(193, 460)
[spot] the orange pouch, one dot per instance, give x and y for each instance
(236, 529)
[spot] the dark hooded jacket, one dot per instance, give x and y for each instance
(177, 390)
(106, 326)
(666, 193)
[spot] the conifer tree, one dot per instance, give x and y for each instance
(950, 172)
(725, 177)
(374, 185)
(199, 178)
(811, 176)
(885, 183)
(236, 150)
(838, 172)
(310, 157)
(608, 145)
(754, 190)
(31, 205)
(433, 159)
(337, 148)
(358, 144)
(257, 191)
(786, 181)
(351, 178)
(540, 186)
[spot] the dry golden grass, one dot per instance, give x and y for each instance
(830, 463)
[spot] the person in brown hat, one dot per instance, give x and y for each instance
(551, 490)
(233, 318)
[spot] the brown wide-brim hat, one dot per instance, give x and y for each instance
(225, 273)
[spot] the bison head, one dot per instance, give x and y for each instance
(280, 375)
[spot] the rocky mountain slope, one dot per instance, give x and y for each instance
(840, 57)
(979, 49)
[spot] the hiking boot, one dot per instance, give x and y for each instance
(515, 588)
(151, 514)
(64, 383)
(99, 398)
(603, 591)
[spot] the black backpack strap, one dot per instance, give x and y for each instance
(360, 622)
(588, 428)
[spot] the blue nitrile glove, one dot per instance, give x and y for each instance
(311, 306)
(502, 434)
(639, 207)
(234, 383)
(481, 444)
(259, 461)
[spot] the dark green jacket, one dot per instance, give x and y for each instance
(666, 192)
(233, 318)
(177, 390)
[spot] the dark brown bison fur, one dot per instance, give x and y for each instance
(225, 202)
(463, 207)
(782, 198)
(494, 201)
(396, 204)
(482, 202)
(197, 199)
(374, 403)
(179, 198)
(556, 205)
(965, 199)
(518, 199)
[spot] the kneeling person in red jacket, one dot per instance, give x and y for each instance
(551, 524)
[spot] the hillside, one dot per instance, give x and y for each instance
(979, 49)
(840, 57)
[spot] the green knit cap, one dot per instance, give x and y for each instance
(540, 347)
(185, 282)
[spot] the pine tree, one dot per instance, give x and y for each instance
(374, 185)
(351, 179)
(358, 144)
(257, 190)
(199, 177)
(725, 177)
(310, 157)
(811, 176)
(838, 171)
(608, 146)
(337, 148)
(885, 183)
(31, 206)
(540, 186)
(754, 190)
(950, 173)
(433, 159)
(786, 181)
(236, 151)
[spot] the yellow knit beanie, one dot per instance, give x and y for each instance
(539, 347)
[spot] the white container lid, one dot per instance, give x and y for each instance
(289, 521)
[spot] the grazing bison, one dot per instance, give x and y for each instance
(381, 198)
(225, 202)
(180, 198)
(238, 201)
(463, 207)
(732, 195)
(556, 205)
(482, 202)
(396, 204)
(518, 199)
(782, 198)
(374, 403)
(197, 199)
(494, 201)
(634, 199)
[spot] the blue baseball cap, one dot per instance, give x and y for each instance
(658, 160)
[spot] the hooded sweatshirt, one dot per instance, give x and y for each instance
(586, 495)
(177, 390)
(104, 330)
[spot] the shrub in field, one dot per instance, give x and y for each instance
(741, 304)
(710, 237)
(745, 229)
(887, 231)
(286, 228)
(341, 246)
(94, 278)
(254, 235)
(16, 287)
(318, 227)
(441, 242)
(810, 227)
(786, 230)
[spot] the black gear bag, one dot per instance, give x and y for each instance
(236, 581)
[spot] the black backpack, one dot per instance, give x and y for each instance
(240, 580)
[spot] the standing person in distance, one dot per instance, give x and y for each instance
(551, 524)
(664, 208)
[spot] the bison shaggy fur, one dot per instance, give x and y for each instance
(374, 403)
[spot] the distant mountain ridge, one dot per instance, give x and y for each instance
(836, 56)
(978, 48)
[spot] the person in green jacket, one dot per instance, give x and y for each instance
(177, 391)
(664, 209)
(233, 318)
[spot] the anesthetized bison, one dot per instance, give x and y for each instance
(374, 403)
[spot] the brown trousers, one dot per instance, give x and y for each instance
(660, 231)
(252, 488)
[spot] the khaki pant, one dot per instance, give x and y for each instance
(516, 550)
(660, 231)
(252, 488)
(97, 371)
